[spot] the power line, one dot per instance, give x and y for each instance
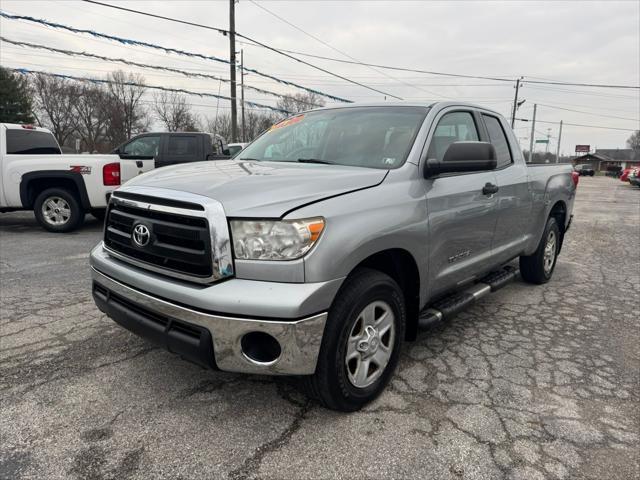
(582, 92)
(144, 65)
(457, 75)
(578, 125)
(268, 47)
(24, 71)
(588, 113)
(131, 42)
(354, 61)
(319, 40)
(161, 17)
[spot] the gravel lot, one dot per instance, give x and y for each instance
(533, 382)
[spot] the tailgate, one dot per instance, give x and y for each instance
(130, 168)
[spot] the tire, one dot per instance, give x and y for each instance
(99, 213)
(367, 293)
(69, 217)
(538, 268)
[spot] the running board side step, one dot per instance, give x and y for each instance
(449, 306)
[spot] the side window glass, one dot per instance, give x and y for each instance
(499, 140)
(182, 146)
(452, 127)
(143, 147)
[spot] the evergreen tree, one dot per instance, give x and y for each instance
(15, 98)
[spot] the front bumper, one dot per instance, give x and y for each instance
(210, 339)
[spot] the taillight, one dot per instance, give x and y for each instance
(111, 174)
(28, 127)
(575, 176)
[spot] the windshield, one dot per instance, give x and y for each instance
(374, 137)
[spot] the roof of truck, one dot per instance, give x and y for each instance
(18, 126)
(427, 104)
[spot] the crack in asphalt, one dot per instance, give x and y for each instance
(533, 382)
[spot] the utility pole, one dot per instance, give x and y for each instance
(232, 66)
(548, 139)
(533, 133)
(244, 126)
(515, 103)
(558, 147)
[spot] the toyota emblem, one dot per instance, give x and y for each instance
(141, 235)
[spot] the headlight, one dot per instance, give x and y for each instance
(274, 239)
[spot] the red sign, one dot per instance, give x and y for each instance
(583, 148)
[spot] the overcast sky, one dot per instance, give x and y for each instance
(590, 42)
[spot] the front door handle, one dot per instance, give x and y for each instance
(490, 189)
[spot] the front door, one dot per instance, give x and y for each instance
(462, 218)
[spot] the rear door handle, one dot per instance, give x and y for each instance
(490, 189)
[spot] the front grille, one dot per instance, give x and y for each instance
(179, 244)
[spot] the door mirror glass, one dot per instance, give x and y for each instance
(463, 157)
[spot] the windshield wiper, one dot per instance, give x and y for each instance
(314, 160)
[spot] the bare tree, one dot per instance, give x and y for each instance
(634, 141)
(126, 114)
(91, 111)
(54, 101)
(174, 112)
(219, 125)
(300, 102)
(258, 122)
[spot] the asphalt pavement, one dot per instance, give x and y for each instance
(533, 382)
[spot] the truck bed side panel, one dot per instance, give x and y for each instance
(550, 184)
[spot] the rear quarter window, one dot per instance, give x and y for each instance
(31, 142)
(499, 140)
(183, 147)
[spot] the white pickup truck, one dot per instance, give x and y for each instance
(60, 189)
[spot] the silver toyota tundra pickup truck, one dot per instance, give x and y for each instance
(328, 241)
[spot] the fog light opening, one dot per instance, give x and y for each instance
(260, 347)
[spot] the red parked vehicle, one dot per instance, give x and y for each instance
(624, 176)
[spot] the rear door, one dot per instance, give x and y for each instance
(181, 148)
(513, 197)
(462, 218)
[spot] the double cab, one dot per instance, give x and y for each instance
(330, 240)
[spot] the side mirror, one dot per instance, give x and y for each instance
(463, 157)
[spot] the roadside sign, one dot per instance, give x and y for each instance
(542, 141)
(583, 148)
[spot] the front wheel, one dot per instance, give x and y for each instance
(99, 213)
(361, 342)
(538, 268)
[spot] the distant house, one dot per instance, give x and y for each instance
(605, 159)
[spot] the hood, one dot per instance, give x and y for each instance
(260, 189)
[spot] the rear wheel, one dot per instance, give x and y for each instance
(361, 342)
(58, 210)
(538, 268)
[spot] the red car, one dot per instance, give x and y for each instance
(624, 176)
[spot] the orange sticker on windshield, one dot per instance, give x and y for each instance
(287, 122)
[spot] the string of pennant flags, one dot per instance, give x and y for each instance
(131, 42)
(145, 65)
(25, 71)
